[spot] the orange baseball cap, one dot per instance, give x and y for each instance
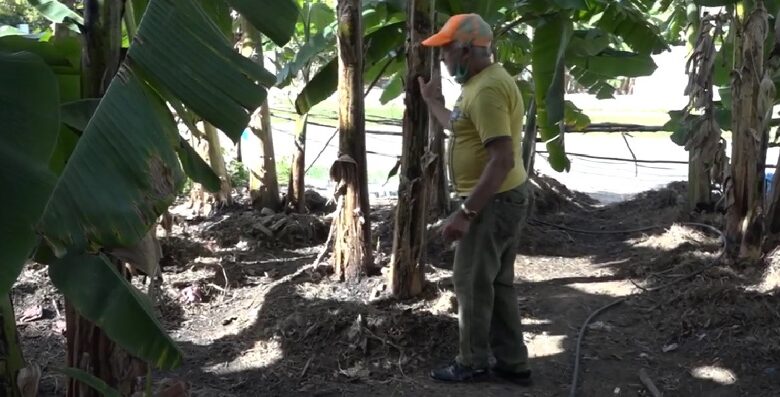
(463, 28)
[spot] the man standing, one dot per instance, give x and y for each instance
(488, 174)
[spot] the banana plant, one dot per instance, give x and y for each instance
(682, 127)
(383, 23)
(85, 183)
(596, 41)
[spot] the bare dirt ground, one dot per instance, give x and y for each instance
(254, 317)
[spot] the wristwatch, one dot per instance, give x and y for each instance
(470, 214)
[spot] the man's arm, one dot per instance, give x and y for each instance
(501, 161)
(431, 94)
(439, 112)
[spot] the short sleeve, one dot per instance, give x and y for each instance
(490, 114)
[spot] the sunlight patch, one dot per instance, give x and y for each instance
(672, 238)
(536, 321)
(771, 279)
(264, 353)
(608, 288)
(715, 374)
(544, 345)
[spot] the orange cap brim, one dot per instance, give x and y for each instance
(437, 40)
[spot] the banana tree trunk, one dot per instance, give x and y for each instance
(439, 204)
(699, 183)
(751, 109)
(297, 185)
(772, 219)
(264, 182)
(296, 189)
(407, 275)
(529, 138)
(352, 246)
(200, 202)
(218, 164)
(699, 178)
(89, 349)
(268, 194)
(11, 360)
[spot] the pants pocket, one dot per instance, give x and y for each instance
(511, 210)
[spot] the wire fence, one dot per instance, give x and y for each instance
(592, 128)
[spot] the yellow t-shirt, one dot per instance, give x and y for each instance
(490, 106)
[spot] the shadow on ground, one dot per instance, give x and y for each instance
(715, 333)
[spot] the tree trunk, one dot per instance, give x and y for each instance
(268, 195)
(699, 183)
(200, 202)
(751, 111)
(700, 67)
(102, 40)
(11, 360)
(89, 349)
(297, 186)
(217, 162)
(406, 266)
(529, 138)
(439, 204)
(352, 246)
(772, 219)
(96, 354)
(263, 182)
(772, 222)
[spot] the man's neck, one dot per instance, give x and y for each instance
(479, 66)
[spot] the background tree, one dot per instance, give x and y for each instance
(313, 44)
(263, 180)
(217, 161)
(439, 202)
(417, 163)
(753, 95)
(352, 247)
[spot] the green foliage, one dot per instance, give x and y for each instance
(632, 26)
(119, 309)
(30, 116)
(314, 42)
(196, 168)
(137, 159)
(105, 188)
(394, 88)
(283, 169)
(272, 17)
(379, 45)
(88, 379)
(551, 38)
(596, 54)
(573, 116)
(76, 114)
(179, 32)
(238, 173)
(57, 12)
(15, 12)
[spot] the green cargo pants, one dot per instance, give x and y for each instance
(489, 317)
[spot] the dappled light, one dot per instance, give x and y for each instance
(609, 288)
(262, 354)
(544, 345)
(381, 197)
(673, 237)
(716, 374)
